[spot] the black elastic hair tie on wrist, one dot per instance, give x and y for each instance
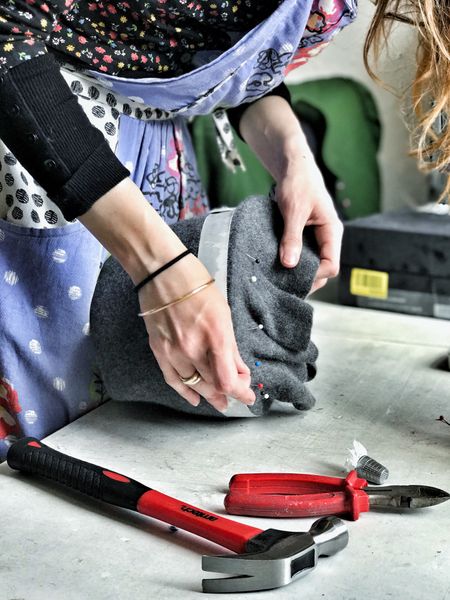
(160, 270)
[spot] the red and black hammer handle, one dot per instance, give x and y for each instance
(32, 456)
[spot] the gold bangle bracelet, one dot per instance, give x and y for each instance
(198, 289)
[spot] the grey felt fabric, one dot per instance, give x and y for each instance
(276, 300)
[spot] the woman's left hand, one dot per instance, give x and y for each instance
(273, 131)
(304, 200)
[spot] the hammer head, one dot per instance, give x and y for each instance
(275, 558)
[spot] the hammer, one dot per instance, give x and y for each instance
(265, 559)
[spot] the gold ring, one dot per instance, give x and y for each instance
(192, 380)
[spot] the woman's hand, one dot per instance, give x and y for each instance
(273, 131)
(194, 335)
(304, 200)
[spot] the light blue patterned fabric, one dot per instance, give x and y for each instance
(48, 278)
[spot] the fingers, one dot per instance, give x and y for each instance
(291, 242)
(175, 365)
(206, 388)
(222, 366)
(227, 378)
(328, 235)
(318, 284)
(197, 335)
(178, 366)
(313, 207)
(242, 368)
(218, 362)
(329, 238)
(172, 378)
(294, 216)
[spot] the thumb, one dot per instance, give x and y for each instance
(291, 241)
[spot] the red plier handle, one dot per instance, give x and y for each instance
(296, 495)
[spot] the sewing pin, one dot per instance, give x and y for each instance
(256, 260)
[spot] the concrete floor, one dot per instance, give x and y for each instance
(382, 380)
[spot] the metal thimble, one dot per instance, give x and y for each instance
(371, 470)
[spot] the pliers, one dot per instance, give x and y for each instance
(304, 495)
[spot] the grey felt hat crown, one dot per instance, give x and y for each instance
(260, 292)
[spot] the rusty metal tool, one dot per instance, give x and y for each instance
(264, 559)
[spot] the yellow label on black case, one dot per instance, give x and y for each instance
(373, 284)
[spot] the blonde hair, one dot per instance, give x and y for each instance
(431, 86)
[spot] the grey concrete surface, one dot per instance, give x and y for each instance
(382, 380)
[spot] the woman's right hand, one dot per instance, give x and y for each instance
(195, 335)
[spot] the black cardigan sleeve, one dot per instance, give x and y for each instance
(46, 129)
(235, 114)
(41, 121)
